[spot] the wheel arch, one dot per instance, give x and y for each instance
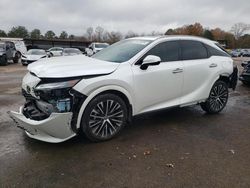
(117, 90)
(224, 77)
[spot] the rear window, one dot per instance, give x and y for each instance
(193, 50)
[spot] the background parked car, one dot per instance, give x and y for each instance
(246, 52)
(95, 47)
(71, 52)
(7, 52)
(236, 53)
(33, 55)
(245, 76)
(19, 44)
(55, 51)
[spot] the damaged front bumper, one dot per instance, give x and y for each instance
(54, 129)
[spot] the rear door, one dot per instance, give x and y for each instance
(199, 71)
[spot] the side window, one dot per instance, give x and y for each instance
(167, 51)
(214, 52)
(193, 50)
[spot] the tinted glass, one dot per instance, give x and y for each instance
(215, 52)
(36, 52)
(167, 51)
(122, 51)
(223, 49)
(72, 50)
(100, 45)
(193, 50)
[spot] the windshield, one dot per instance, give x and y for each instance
(36, 52)
(71, 51)
(55, 49)
(122, 51)
(100, 45)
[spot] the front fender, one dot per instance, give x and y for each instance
(97, 92)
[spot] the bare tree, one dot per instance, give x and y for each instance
(130, 34)
(114, 36)
(99, 31)
(90, 31)
(239, 29)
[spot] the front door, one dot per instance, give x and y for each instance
(159, 86)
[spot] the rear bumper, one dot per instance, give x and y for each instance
(55, 129)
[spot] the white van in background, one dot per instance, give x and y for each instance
(19, 45)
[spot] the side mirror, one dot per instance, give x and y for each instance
(150, 60)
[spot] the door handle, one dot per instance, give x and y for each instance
(178, 70)
(212, 65)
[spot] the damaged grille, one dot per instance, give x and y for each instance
(32, 112)
(27, 96)
(53, 101)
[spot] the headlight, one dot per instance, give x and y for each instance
(57, 85)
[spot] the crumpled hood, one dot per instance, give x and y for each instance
(71, 66)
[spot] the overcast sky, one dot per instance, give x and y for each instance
(74, 16)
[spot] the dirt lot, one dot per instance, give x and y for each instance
(172, 148)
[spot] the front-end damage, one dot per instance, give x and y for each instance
(51, 108)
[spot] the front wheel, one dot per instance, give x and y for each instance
(16, 57)
(3, 60)
(217, 99)
(104, 117)
(246, 83)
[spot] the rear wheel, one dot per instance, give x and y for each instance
(16, 57)
(217, 99)
(246, 83)
(104, 117)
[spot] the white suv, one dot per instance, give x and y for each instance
(98, 95)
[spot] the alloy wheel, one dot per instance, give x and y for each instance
(218, 97)
(106, 118)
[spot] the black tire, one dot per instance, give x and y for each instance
(246, 83)
(104, 117)
(217, 99)
(3, 60)
(16, 58)
(50, 54)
